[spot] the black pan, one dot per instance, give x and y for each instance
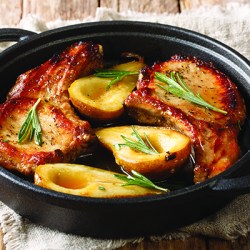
(132, 216)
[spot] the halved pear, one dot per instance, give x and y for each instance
(89, 95)
(87, 181)
(173, 149)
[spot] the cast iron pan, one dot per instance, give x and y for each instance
(132, 216)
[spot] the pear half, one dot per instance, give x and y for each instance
(89, 95)
(173, 149)
(86, 181)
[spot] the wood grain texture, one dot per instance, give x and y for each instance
(192, 4)
(191, 243)
(10, 12)
(113, 4)
(50, 10)
(156, 6)
(1, 240)
(242, 243)
(60, 9)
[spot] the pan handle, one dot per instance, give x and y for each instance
(14, 35)
(235, 185)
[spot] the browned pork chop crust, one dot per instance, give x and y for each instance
(64, 135)
(214, 135)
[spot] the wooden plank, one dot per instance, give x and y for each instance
(192, 4)
(156, 6)
(1, 239)
(173, 244)
(242, 243)
(218, 244)
(60, 9)
(10, 12)
(113, 4)
(191, 243)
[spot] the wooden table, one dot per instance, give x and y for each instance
(50, 10)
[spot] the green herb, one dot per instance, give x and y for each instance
(5, 140)
(139, 180)
(31, 127)
(239, 125)
(117, 75)
(102, 188)
(140, 145)
(178, 87)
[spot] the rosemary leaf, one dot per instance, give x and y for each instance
(37, 129)
(31, 127)
(150, 144)
(25, 128)
(139, 145)
(117, 75)
(102, 188)
(177, 86)
(139, 180)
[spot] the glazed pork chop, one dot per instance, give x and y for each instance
(64, 136)
(213, 134)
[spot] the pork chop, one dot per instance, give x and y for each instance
(64, 135)
(213, 134)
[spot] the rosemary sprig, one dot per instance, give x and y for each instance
(178, 87)
(139, 180)
(31, 127)
(117, 75)
(140, 145)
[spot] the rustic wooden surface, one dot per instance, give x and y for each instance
(15, 10)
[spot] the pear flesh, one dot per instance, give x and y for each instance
(173, 148)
